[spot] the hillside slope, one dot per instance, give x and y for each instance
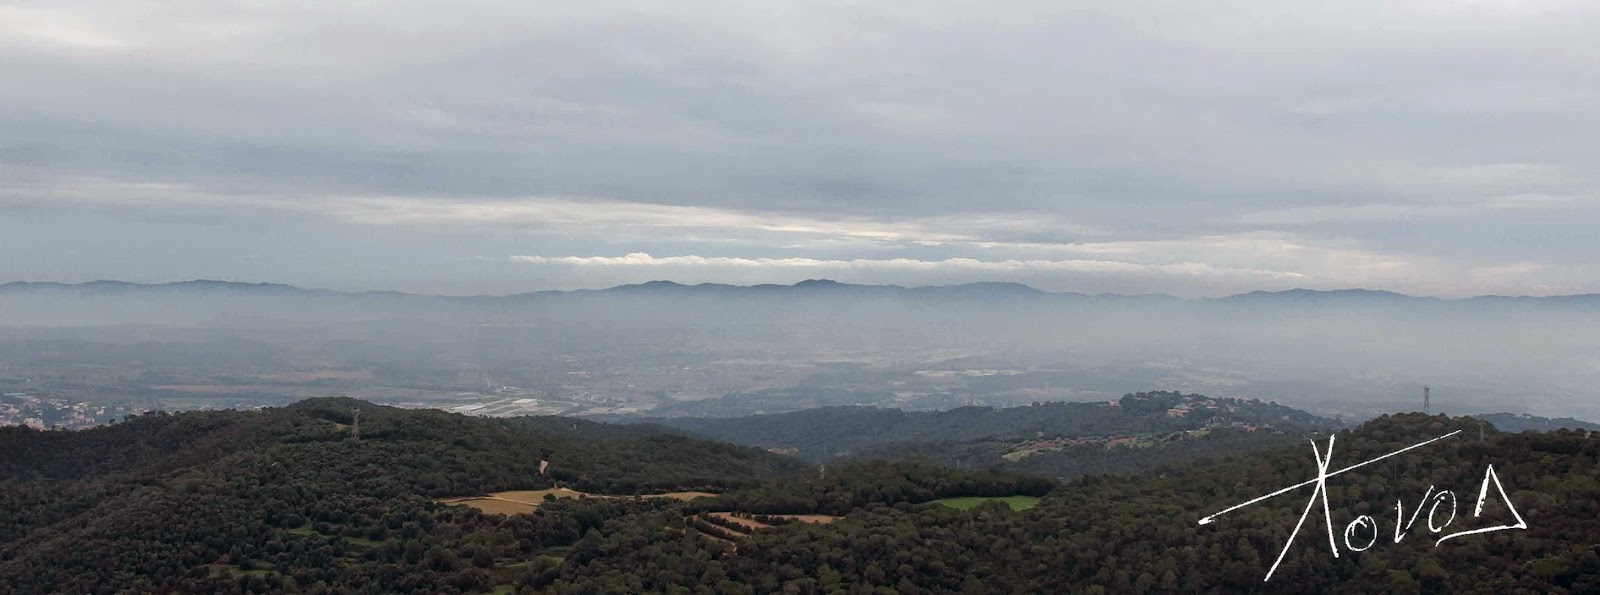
(850, 429)
(285, 500)
(1141, 534)
(167, 501)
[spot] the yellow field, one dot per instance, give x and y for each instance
(536, 496)
(525, 501)
(493, 506)
(820, 519)
(681, 495)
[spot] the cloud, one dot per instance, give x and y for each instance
(1357, 142)
(574, 215)
(52, 28)
(640, 259)
(1038, 246)
(610, 216)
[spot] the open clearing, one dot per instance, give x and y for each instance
(679, 495)
(748, 523)
(536, 496)
(525, 501)
(496, 506)
(970, 502)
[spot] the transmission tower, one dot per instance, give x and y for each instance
(822, 470)
(1424, 398)
(355, 423)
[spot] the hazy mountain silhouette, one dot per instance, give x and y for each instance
(809, 287)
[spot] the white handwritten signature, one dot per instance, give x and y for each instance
(1400, 531)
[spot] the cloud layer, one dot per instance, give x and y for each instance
(1423, 146)
(640, 259)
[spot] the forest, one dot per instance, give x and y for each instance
(290, 500)
(819, 434)
(1132, 534)
(1069, 459)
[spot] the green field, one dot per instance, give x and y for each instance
(969, 502)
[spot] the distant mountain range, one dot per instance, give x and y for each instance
(810, 287)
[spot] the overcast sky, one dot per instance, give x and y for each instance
(1195, 148)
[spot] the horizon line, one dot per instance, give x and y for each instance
(797, 284)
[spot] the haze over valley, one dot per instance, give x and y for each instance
(663, 349)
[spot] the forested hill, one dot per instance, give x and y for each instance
(182, 499)
(851, 429)
(1127, 534)
(1512, 422)
(455, 454)
(287, 500)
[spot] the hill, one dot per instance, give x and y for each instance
(287, 500)
(1141, 534)
(819, 434)
(181, 501)
(1513, 422)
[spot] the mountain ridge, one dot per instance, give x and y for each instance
(981, 289)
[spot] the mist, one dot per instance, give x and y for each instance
(717, 350)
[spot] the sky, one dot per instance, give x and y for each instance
(481, 147)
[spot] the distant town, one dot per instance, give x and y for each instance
(23, 409)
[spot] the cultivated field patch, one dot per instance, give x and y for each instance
(819, 519)
(495, 505)
(525, 501)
